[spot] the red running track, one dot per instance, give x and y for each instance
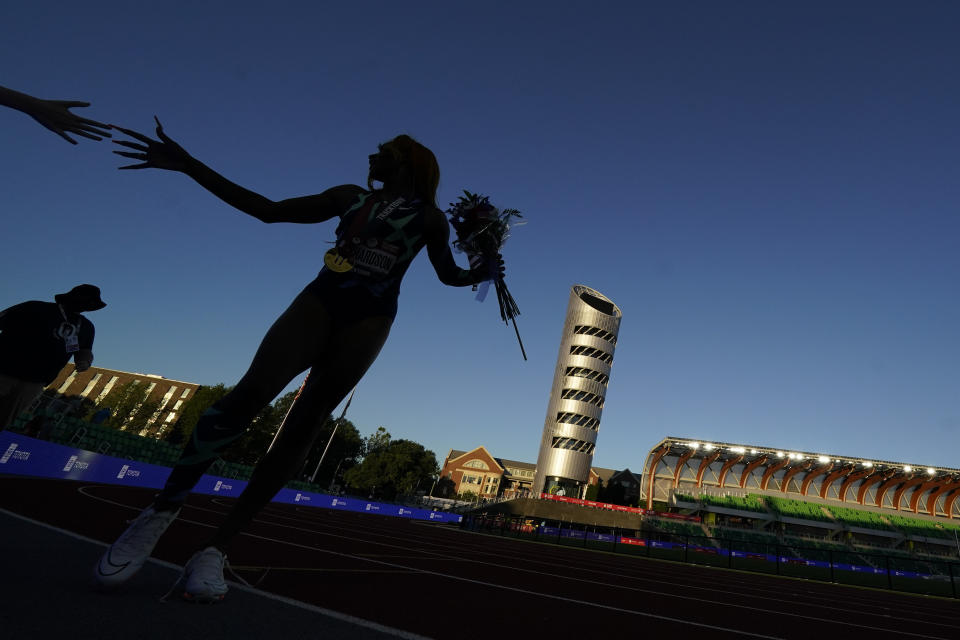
(441, 582)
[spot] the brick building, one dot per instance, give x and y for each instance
(479, 472)
(96, 383)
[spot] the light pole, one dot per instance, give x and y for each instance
(334, 478)
(335, 425)
(287, 414)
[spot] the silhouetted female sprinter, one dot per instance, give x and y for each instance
(335, 328)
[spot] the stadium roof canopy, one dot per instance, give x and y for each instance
(694, 464)
(727, 449)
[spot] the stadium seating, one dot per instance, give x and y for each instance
(924, 528)
(750, 502)
(860, 518)
(797, 509)
(675, 527)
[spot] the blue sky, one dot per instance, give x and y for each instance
(767, 190)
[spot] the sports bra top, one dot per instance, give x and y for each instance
(376, 241)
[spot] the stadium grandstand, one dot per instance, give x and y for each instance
(819, 500)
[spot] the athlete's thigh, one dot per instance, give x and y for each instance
(292, 344)
(352, 350)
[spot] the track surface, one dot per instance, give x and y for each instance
(440, 582)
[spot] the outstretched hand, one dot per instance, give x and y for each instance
(157, 154)
(55, 115)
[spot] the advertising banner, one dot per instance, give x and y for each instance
(21, 455)
(618, 507)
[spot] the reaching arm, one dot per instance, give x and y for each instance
(437, 231)
(55, 115)
(167, 154)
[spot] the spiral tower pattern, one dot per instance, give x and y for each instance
(578, 392)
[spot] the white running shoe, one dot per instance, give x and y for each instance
(203, 576)
(125, 556)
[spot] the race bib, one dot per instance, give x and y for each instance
(375, 260)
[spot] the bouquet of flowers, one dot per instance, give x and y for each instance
(481, 231)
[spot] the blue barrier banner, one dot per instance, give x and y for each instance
(326, 501)
(754, 556)
(30, 457)
(717, 551)
(600, 537)
(25, 456)
(216, 486)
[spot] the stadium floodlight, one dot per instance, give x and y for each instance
(753, 451)
(694, 445)
(779, 454)
(931, 470)
(739, 450)
(823, 459)
(867, 463)
(908, 468)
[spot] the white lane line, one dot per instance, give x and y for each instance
(745, 589)
(461, 579)
(519, 590)
(656, 592)
(330, 613)
(563, 577)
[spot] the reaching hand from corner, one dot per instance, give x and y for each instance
(55, 115)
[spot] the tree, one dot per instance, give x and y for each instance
(254, 442)
(377, 441)
(202, 399)
(400, 467)
(593, 490)
(345, 449)
(344, 453)
(614, 493)
(146, 417)
(124, 401)
(444, 488)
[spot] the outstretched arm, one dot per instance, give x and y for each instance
(167, 154)
(55, 115)
(437, 231)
